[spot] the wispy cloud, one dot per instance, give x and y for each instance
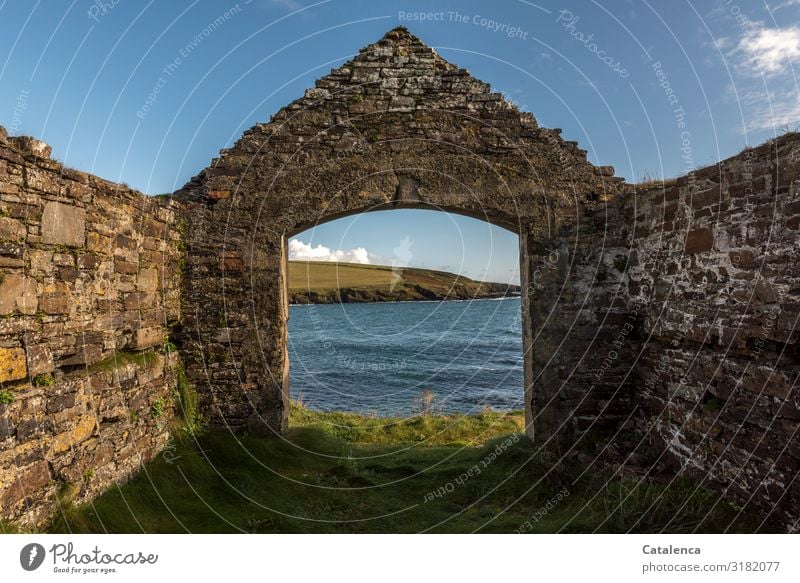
(775, 110)
(763, 59)
(785, 4)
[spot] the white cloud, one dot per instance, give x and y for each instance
(769, 51)
(776, 111)
(766, 85)
(299, 251)
(786, 4)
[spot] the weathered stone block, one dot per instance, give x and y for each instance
(26, 482)
(147, 280)
(40, 359)
(231, 261)
(6, 428)
(742, 259)
(765, 292)
(54, 302)
(147, 337)
(11, 229)
(140, 301)
(97, 243)
(63, 224)
(86, 354)
(127, 267)
(12, 364)
(699, 240)
(31, 145)
(18, 293)
(82, 431)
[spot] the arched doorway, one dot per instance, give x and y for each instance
(404, 313)
(396, 127)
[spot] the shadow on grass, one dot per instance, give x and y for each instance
(313, 480)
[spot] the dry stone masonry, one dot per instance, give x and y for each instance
(89, 279)
(396, 127)
(658, 320)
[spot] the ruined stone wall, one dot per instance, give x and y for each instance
(395, 127)
(715, 266)
(89, 276)
(585, 331)
(664, 318)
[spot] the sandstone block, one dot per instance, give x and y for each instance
(40, 359)
(82, 431)
(140, 301)
(765, 292)
(86, 354)
(54, 303)
(147, 280)
(63, 224)
(231, 261)
(147, 337)
(31, 145)
(25, 483)
(699, 240)
(18, 293)
(12, 364)
(11, 229)
(97, 243)
(742, 259)
(6, 428)
(122, 266)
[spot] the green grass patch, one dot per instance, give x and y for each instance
(382, 283)
(430, 430)
(44, 380)
(188, 406)
(341, 473)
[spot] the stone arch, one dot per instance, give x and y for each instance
(395, 127)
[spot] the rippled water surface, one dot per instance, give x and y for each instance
(379, 357)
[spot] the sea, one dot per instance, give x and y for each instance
(403, 358)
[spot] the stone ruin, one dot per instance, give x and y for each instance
(661, 317)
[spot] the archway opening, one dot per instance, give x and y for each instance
(405, 312)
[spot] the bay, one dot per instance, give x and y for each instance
(378, 358)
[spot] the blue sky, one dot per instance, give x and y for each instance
(652, 88)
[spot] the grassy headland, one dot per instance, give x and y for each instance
(323, 283)
(343, 473)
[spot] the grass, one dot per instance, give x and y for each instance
(380, 282)
(433, 430)
(341, 473)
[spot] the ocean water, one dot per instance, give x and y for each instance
(379, 357)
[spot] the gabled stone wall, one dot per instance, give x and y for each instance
(395, 127)
(89, 280)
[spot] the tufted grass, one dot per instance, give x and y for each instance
(339, 473)
(432, 430)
